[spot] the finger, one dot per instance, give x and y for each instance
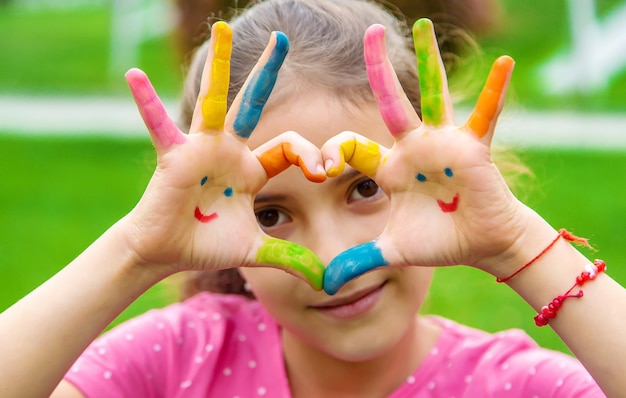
(436, 101)
(482, 121)
(162, 128)
(251, 99)
(289, 149)
(395, 108)
(358, 151)
(352, 263)
(293, 258)
(210, 110)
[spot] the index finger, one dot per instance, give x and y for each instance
(436, 101)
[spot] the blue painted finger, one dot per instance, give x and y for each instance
(352, 263)
(259, 89)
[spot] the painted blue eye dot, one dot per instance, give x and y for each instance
(228, 192)
(448, 172)
(204, 180)
(420, 177)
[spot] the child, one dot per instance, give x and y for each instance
(441, 202)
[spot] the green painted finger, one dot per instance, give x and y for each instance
(432, 74)
(293, 258)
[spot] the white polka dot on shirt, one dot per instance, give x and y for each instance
(208, 348)
(185, 384)
(129, 337)
(252, 364)
(107, 375)
(261, 391)
(261, 326)
(216, 316)
(227, 371)
(242, 338)
(102, 350)
(508, 386)
(156, 347)
(410, 379)
(468, 379)
(559, 382)
(431, 385)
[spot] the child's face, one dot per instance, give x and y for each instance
(329, 218)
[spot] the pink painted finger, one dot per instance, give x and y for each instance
(163, 130)
(483, 119)
(436, 101)
(395, 108)
(211, 106)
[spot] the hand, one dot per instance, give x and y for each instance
(196, 213)
(449, 203)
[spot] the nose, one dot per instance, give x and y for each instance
(330, 234)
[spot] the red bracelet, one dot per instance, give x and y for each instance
(549, 311)
(568, 236)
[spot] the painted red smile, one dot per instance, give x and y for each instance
(204, 218)
(449, 207)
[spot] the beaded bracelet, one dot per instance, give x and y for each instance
(549, 311)
(565, 234)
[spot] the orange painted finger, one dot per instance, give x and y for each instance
(491, 99)
(278, 158)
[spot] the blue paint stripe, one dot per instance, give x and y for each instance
(258, 91)
(352, 263)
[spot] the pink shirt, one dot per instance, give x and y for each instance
(227, 346)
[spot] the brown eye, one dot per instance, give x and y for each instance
(364, 189)
(270, 218)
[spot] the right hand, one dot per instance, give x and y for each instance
(196, 213)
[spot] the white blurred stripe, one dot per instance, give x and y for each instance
(118, 116)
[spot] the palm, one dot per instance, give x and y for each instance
(449, 203)
(196, 213)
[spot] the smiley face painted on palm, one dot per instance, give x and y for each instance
(446, 207)
(432, 161)
(205, 218)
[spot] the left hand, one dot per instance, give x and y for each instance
(449, 203)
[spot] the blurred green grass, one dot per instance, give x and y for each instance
(66, 51)
(59, 194)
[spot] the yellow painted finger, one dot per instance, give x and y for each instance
(211, 105)
(364, 156)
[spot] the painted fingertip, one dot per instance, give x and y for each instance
(423, 25)
(352, 263)
(280, 51)
(296, 259)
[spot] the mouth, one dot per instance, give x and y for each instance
(204, 218)
(352, 305)
(449, 207)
